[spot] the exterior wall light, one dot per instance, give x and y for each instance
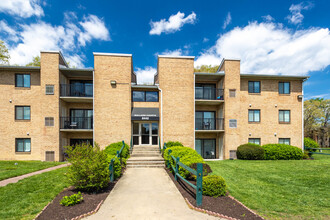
(300, 96)
(113, 82)
(10, 101)
(250, 105)
(28, 134)
(275, 105)
(250, 134)
(275, 134)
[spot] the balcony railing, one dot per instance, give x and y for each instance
(208, 93)
(77, 90)
(76, 123)
(209, 124)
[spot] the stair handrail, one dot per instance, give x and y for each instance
(111, 165)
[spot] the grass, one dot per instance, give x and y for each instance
(9, 169)
(280, 189)
(26, 198)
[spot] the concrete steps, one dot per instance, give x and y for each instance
(145, 157)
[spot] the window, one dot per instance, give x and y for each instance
(232, 123)
(205, 91)
(254, 140)
(284, 88)
(232, 93)
(284, 141)
(284, 116)
(23, 145)
(74, 142)
(22, 80)
(254, 86)
(254, 115)
(79, 88)
(145, 96)
(49, 121)
(22, 112)
(206, 148)
(49, 89)
(205, 121)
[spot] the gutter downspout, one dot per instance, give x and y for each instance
(93, 107)
(302, 116)
(161, 115)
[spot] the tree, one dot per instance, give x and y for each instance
(35, 61)
(4, 54)
(317, 120)
(206, 69)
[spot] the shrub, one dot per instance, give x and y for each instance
(282, 152)
(173, 144)
(250, 152)
(114, 147)
(117, 167)
(214, 186)
(72, 200)
(310, 143)
(187, 156)
(89, 167)
(306, 155)
(206, 168)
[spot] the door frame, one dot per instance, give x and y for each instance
(150, 132)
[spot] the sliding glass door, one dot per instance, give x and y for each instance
(206, 148)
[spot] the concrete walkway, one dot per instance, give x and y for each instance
(17, 178)
(146, 193)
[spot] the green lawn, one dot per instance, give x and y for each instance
(280, 189)
(26, 198)
(9, 169)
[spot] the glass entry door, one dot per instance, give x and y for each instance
(145, 133)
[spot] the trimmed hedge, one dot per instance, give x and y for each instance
(114, 147)
(173, 144)
(310, 143)
(89, 167)
(282, 152)
(116, 165)
(214, 186)
(250, 151)
(206, 168)
(187, 156)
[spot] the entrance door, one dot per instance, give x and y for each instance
(145, 133)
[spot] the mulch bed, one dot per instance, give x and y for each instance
(224, 205)
(91, 202)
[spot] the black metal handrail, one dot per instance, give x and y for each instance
(209, 124)
(76, 122)
(208, 93)
(76, 90)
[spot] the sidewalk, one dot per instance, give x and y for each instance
(146, 193)
(17, 178)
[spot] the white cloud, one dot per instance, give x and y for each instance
(205, 40)
(177, 52)
(268, 48)
(94, 29)
(268, 18)
(22, 8)
(40, 36)
(146, 75)
(174, 23)
(11, 33)
(227, 21)
(296, 17)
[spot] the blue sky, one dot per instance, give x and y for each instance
(270, 37)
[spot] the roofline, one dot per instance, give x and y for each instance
(275, 76)
(78, 70)
(21, 67)
(136, 86)
(221, 73)
(225, 59)
(112, 54)
(55, 51)
(180, 57)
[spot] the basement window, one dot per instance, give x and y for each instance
(49, 121)
(49, 89)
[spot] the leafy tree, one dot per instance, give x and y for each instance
(4, 54)
(206, 69)
(35, 61)
(317, 120)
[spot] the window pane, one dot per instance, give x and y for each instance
(154, 140)
(257, 87)
(199, 92)
(280, 88)
(19, 113)
(19, 80)
(154, 128)
(152, 96)
(198, 146)
(138, 96)
(135, 140)
(27, 144)
(250, 87)
(257, 141)
(209, 149)
(135, 128)
(251, 115)
(287, 116)
(286, 88)
(256, 115)
(281, 116)
(20, 145)
(26, 80)
(26, 113)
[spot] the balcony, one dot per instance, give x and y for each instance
(208, 96)
(209, 124)
(77, 92)
(74, 124)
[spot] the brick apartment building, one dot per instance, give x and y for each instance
(48, 107)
